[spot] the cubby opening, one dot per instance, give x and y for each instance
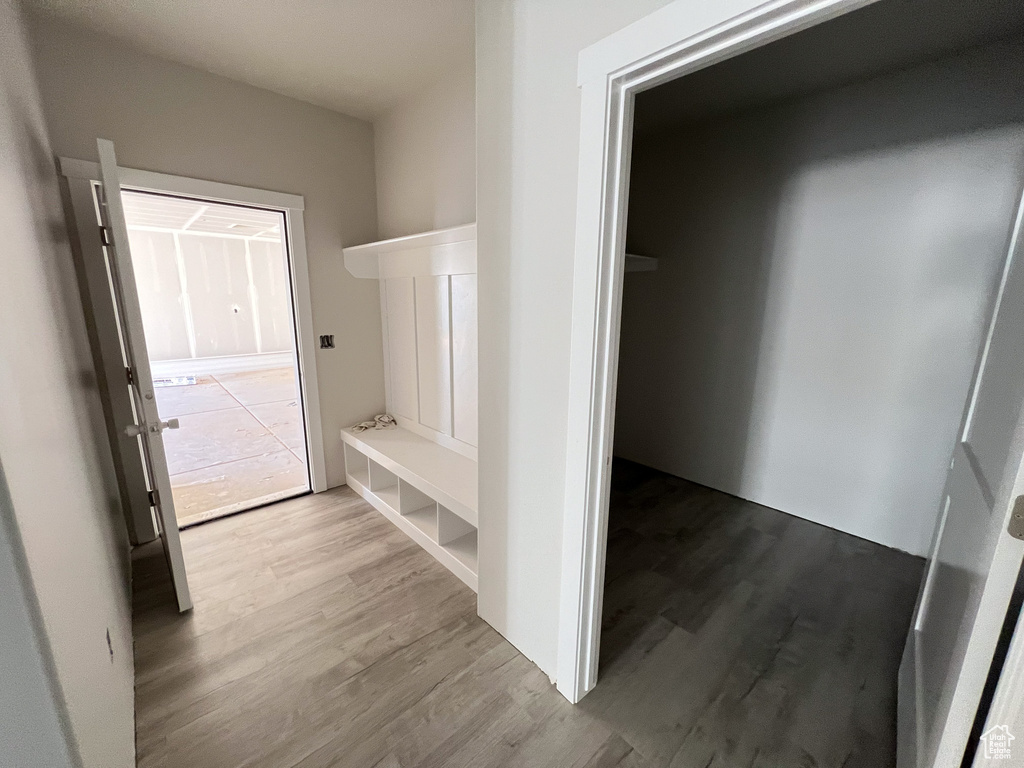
(384, 484)
(357, 466)
(418, 508)
(457, 537)
(425, 520)
(412, 499)
(464, 550)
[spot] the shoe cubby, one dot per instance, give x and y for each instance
(425, 489)
(419, 509)
(457, 537)
(357, 466)
(384, 484)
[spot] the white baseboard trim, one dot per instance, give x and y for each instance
(165, 369)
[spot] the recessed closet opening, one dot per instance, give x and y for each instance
(816, 233)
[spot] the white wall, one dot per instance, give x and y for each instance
(527, 149)
(826, 267)
(426, 158)
(173, 119)
(54, 457)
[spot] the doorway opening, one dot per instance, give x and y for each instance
(832, 204)
(215, 291)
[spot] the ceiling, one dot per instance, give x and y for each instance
(358, 57)
(150, 211)
(885, 36)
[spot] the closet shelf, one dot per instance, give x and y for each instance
(365, 260)
(636, 263)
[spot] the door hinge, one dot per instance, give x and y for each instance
(154, 498)
(1016, 526)
(129, 375)
(104, 235)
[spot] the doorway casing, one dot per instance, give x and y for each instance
(674, 41)
(81, 175)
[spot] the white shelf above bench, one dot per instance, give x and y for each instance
(442, 251)
(425, 489)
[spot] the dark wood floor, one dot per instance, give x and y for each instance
(737, 635)
(734, 635)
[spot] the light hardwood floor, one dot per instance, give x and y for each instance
(321, 636)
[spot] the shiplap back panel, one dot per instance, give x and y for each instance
(433, 345)
(430, 341)
(400, 347)
(464, 358)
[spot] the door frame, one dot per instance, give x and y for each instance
(674, 41)
(80, 175)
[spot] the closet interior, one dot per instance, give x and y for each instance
(816, 232)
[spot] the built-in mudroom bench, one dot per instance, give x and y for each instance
(426, 490)
(422, 474)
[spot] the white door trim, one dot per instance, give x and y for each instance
(151, 181)
(1006, 707)
(146, 424)
(292, 207)
(654, 50)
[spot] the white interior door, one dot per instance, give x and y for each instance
(974, 560)
(149, 427)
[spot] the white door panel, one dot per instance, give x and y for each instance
(149, 426)
(974, 561)
(997, 396)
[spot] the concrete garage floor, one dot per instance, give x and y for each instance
(241, 442)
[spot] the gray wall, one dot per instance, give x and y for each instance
(66, 614)
(425, 155)
(32, 734)
(174, 119)
(826, 268)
